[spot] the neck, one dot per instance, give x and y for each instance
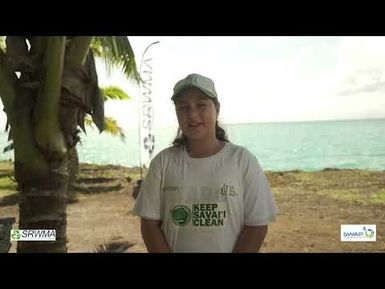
(201, 149)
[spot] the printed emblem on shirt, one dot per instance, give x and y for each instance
(201, 215)
(181, 215)
(228, 190)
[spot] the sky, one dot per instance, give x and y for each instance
(261, 79)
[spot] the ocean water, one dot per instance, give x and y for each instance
(309, 146)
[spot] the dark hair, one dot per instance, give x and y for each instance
(220, 132)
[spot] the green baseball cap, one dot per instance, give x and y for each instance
(205, 84)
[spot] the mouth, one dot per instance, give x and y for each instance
(194, 125)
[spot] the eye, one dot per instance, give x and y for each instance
(183, 107)
(202, 104)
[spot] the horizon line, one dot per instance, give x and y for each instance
(287, 121)
(318, 120)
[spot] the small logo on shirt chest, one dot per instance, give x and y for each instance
(228, 190)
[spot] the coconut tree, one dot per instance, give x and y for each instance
(47, 86)
(111, 127)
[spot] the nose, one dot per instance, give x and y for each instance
(192, 112)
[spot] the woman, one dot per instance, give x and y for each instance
(203, 194)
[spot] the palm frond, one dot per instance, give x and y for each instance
(8, 147)
(117, 51)
(114, 247)
(114, 92)
(97, 47)
(88, 121)
(2, 45)
(111, 126)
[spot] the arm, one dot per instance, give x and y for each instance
(153, 236)
(250, 240)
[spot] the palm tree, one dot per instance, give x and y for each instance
(47, 86)
(110, 126)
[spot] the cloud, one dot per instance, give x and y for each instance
(360, 65)
(363, 81)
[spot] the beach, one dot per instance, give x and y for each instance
(312, 207)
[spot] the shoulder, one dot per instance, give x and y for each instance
(245, 159)
(169, 151)
(240, 152)
(167, 154)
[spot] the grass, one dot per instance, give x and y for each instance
(7, 184)
(358, 196)
(378, 198)
(358, 186)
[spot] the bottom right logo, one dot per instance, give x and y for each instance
(358, 233)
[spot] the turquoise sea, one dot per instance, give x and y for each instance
(308, 146)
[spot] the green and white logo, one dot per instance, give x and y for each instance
(199, 215)
(33, 235)
(15, 235)
(358, 233)
(369, 233)
(181, 215)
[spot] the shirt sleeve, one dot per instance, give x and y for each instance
(260, 207)
(148, 202)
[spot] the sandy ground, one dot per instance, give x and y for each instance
(312, 208)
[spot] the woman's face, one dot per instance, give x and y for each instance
(197, 115)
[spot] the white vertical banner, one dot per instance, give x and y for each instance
(146, 110)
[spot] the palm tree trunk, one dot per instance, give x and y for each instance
(44, 207)
(73, 164)
(41, 155)
(42, 186)
(73, 171)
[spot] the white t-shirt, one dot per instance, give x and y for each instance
(204, 203)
